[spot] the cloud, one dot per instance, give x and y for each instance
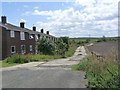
(23, 20)
(97, 18)
(99, 8)
(42, 13)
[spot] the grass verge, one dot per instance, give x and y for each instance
(20, 59)
(4, 64)
(99, 74)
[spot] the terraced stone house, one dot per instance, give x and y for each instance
(18, 39)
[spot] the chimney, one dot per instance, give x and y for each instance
(22, 24)
(4, 19)
(34, 28)
(42, 31)
(47, 32)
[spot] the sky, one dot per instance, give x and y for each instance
(79, 18)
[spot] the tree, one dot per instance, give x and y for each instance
(66, 41)
(45, 46)
(61, 47)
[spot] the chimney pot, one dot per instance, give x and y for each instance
(47, 32)
(34, 28)
(42, 31)
(22, 25)
(4, 19)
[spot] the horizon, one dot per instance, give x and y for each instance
(73, 19)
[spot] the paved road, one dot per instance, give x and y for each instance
(54, 78)
(53, 74)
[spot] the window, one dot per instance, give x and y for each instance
(22, 35)
(31, 48)
(12, 34)
(23, 50)
(13, 49)
(31, 36)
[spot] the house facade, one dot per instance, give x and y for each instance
(18, 39)
(0, 42)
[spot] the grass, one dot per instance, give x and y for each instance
(43, 58)
(20, 59)
(99, 74)
(81, 66)
(4, 64)
(71, 50)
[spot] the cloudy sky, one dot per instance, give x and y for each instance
(79, 18)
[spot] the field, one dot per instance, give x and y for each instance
(84, 39)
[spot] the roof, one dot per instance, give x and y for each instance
(9, 26)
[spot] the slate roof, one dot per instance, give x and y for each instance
(9, 26)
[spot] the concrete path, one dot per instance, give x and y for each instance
(21, 66)
(53, 74)
(67, 62)
(79, 54)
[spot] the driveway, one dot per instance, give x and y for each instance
(53, 74)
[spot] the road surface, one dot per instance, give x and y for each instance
(53, 74)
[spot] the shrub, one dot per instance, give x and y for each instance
(66, 41)
(17, 59)
(61, 47)
(45, 46)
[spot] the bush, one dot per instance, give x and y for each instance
(17, 59)
(66, 41)
(61, 48)
(45, 46)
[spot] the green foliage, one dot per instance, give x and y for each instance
(4, 64)
(103, 39)
(82, 41)
(38, 57)
(45, 46)
(66, 41)
(61, 47)
(17, 59)
(71, 50)
(99, 74)
(87, 40)
(81, 66)
(20, 59)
